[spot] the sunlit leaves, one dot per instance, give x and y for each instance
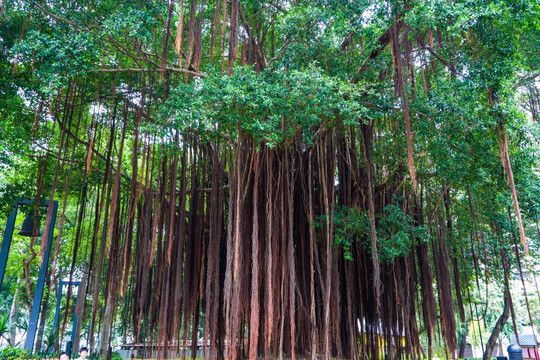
(273, 107)
(57, 58)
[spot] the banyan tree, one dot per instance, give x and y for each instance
(276, 179)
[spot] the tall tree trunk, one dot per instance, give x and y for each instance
(233, 38)
(498, 326)
(113, 235)
(166, 33)
(507, 166)
(457, 283)
(96, 278)
(326, 183)
(192, 23)
(198, 37)
(311, 222)
(269, 292)
(215, 26)
(505, 157)
(179, 40)
(366, 152)
(400, 90)
(254, 306)
(79, 308)
(290, 175)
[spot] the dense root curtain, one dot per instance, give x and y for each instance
(236, 247)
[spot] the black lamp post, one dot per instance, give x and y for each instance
(28, 230)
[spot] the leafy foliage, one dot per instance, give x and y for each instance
(265, 106)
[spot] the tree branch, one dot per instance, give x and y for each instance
(185, 71)
(56, 17)
(381, 43)
(446, 63)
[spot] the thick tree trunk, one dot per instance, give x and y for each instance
(254, 303)
(507, 167)
(96, 277)
(166, 39)
(291, 253)
(399, 84)
(106, 326)
(269, 305)
(79, 309)
(457, 283)
(113, 232)
(178, 43)
(498, 326)
(311, 220)
(233, 39)
(366, 150)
